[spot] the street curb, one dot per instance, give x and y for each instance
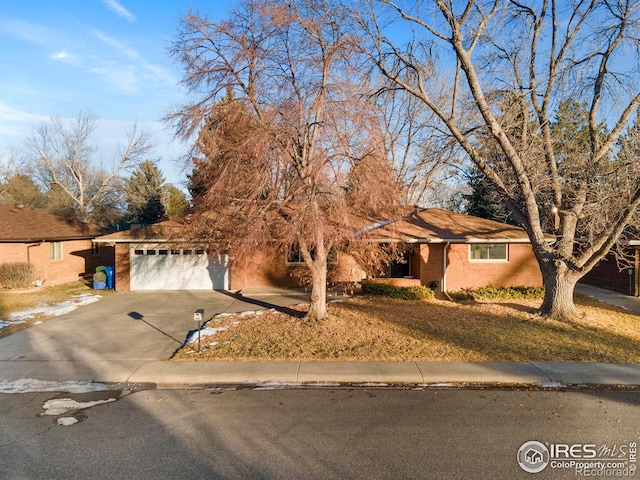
(177, 374)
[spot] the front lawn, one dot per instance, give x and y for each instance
(377, 328)
(11, 302)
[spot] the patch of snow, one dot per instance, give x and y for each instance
(440, 385)
(60, 406)
(275, 385)
(55, 310)
(29, 385)
(205, 331)
(372, 384)
(67, 421)
(252, 313)
(551, 385)
(4, 323)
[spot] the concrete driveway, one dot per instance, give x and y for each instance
(126, 329)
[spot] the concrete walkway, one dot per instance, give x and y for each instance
(612, 298)
(100, 343)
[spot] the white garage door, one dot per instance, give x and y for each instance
(161, 268)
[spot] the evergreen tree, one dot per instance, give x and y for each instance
(20, 189)
(174, 201)
(484, 201)
(144, 194)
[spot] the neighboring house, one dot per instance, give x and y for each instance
(607, 273)
(447, 251)
(61, 250)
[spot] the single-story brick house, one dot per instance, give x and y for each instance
(61, 250)
(451, 251)
(447, 251)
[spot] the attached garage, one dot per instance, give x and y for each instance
(157, 267)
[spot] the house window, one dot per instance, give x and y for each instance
(401, 268)
(295, 257)
(138, 252)
(491, 252)
(55, 251)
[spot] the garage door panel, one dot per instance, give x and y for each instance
(178, 270)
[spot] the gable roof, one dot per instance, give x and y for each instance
(434, 225)
(427, 225)
(20, 225)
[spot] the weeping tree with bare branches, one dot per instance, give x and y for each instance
(288, 147)
(540, 54)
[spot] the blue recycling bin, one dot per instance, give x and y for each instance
(110, 272)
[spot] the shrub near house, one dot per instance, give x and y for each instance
(16, 275)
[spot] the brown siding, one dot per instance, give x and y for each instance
(77, 260)
(607, 275)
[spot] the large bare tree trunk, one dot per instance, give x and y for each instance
(318, 304)
(559, 282)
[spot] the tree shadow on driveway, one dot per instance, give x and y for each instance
(267, 305)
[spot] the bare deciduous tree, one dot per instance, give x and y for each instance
(587, 51)
(280, 149)
(424, 158)
(63, 159)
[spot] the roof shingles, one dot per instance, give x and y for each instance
(19, 225)
(436, 224)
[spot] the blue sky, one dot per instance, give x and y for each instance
(60, 57)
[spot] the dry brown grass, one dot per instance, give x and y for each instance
(400, 330)
(11, 301)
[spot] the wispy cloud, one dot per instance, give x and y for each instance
(65, 57)
(130, 77)
(28, 31)
(12, 114)
(122, 48)
(118, 9)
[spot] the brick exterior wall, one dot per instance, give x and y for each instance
(521, 268)
(261, 269)
(123, 268)
(77, 260)
(267, 269)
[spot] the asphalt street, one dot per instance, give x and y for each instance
(340, 433)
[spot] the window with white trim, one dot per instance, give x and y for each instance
(488, 252)
(55, 251)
